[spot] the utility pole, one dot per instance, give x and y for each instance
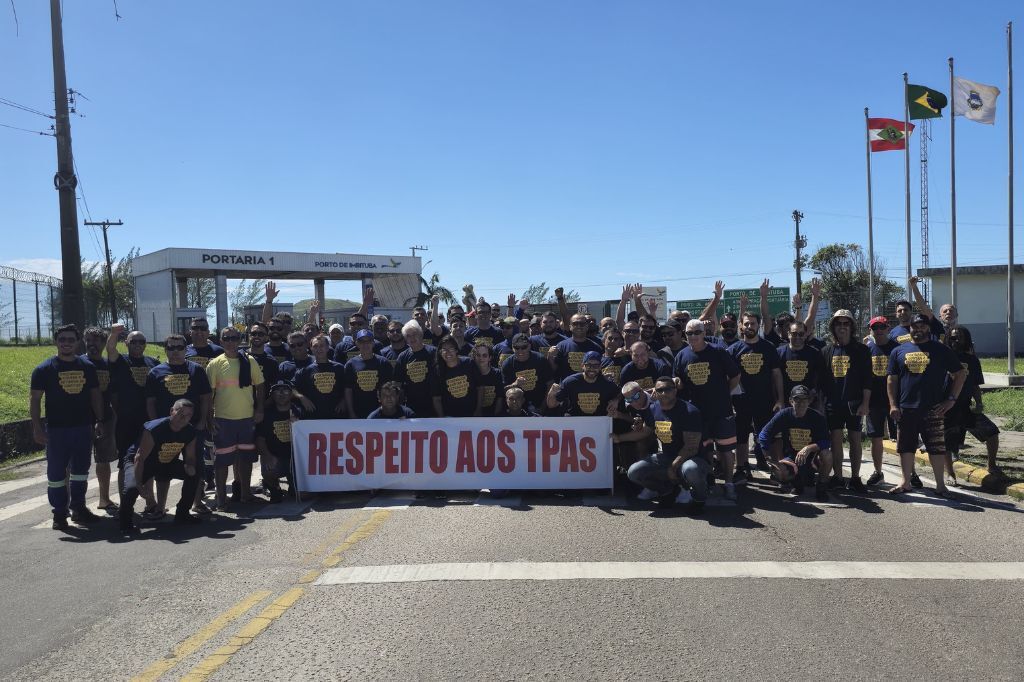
(65, 182)
(799, 243)
(110, 268)
(414, 249)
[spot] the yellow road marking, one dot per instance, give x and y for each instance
(192, 644)
(313, 555)
(277, 608)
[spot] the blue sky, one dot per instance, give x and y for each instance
(579, 143)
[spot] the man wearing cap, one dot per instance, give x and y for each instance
(587, 393)
(503, 350)
(527, 370)
(416, 370)
(760, 392)
(568, 355)
(798, 439)
(680, 461)
(707, 376)
(347, 349)
(363, 376)
(274, 438)
(674, 336)
(918, 403)
(846, 386)
(880, 346)
(904, 310)
(323, 383)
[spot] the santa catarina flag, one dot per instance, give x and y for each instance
(925, 102)
(886, 134)
(974, 101)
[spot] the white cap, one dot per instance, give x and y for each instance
(335, 326)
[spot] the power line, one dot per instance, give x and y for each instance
(26, 130)
(15, 105)
(653, 280)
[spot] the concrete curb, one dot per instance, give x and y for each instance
(967, 472)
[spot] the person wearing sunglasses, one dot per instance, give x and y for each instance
(364, 374)
(299, 349)
(348, 348)
(677, 473)
(801, 364)
(71, 390)
(276, 346)
(586, 393)
(846, 389)
(880, 346)
(168, 382)
(568, 355)
(901, 332)
(201, 351)
(396, 343)
(258, 335)
(798, 440)
(104, 447)
(962, 419)
(674, 337)
(707, 376)
(503, 351)
(128, 395)
(237, 383)
(527, 370)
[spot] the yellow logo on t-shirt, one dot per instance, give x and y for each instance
(283, 430)
(796, 370)
(529, 377)
(917, 361)
(488, 396)
(576, 361)
(176, 384)
(72, 381)
(903, 338)
(646, 383)
(502, 357)
(840, 365)
(324, 381)
(880, 365)
(200, 360)
(752, 363)
(799, 438)
(139, 374)
(612, 373)
(483, 341)
(458, 387)
(699, 372)
(169, 452)
(588, 402)
(366, 379)
(663, 430)
(416, 371)
(103, 376)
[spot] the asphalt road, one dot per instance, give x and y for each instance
(265, 598)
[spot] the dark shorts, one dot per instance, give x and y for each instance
(877, 419)
(924, 423)
(104, 450)
(278, 465)
(235, 441)
(721, 431)
(840, 416)
(961, 422)
(751, 415)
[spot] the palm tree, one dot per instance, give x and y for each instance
(431, 288)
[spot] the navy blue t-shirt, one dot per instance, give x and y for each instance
(645, 377)
(276, 429)
(880, 372)
(503, 351)
(168, 443)
(270, 367)
(289, 368)
(901, 333)
(847, 373)
(756, 361)
(493, 387)
(402, 412)
(569, 355)
(416, 371)
(280, 353)
(364, 377)
(705, 376)
(796, 432)
(536, 373)
(457, 388)
(347, 349)
(922, 371)
(169, 383)
(389, 353)
(583, 399)
(66, 387)
(128, 379)
(800, 367)
(670, 425)
(202, 356)
(324, 385)
(975, 377)
(103, 376)
(611, 368)
(489, 337)
(541, 343)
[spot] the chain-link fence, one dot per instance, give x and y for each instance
(29, 306)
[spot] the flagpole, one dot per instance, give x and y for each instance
(871, 229)
(952, 191)
(1009, 264)
(906, 170)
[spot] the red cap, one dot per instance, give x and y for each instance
(881, 319)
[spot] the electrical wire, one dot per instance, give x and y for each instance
(15, 105)
(26, 130)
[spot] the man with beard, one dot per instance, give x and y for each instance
(586, 393)
(961, 419)
(880, 346)
(128, 394)
(549, 336)
(416, 371)
(674, 338)
(483, 333)
(201, 351)
(396, 343)
(729, 331)
(276, 346)
(901, 332)
(847, 389)
(642, 368)
(299, 348)
(509, 328)
(800, 363)
(274, 439)
(258, 334)
(323, 383)
(104, 447)
(363, 376)
(761, 393)
(528, 371)
(799, 439)
(918, 403)
(707, 376)
(568, 355)
(614, 359)
(379, 327)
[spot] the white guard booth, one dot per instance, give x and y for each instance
(161, 278)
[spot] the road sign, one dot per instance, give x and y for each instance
(694, 305)
(779, 300)
(660, 296)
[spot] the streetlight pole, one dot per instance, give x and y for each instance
(799, 243)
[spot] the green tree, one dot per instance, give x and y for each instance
(537, 293)
(845, 277)
(430, 288)
(96, 290)
(245, 294)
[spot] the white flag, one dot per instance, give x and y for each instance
(974, 100)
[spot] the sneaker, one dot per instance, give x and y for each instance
(856, 485)
(183, 518)
(876, 478)
(821, 492)
(201, 509)
(154, 513)
(684, 497)
(730, 491)
(915, 480)
(646, 495)
(741, 476)
(60, 522)
(836, 481)
(83, 515)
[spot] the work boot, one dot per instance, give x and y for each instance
(60, 521)
(83, 516)
(856, 485)
(183, 517)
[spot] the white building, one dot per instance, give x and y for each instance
(981, 302)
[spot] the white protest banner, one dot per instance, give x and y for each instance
(520, 453)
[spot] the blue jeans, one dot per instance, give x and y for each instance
(68, 449)
(652, 473)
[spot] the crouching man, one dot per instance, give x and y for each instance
(679, 466)
(798, 439)
(157, 455)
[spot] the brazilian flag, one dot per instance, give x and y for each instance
(925, 102)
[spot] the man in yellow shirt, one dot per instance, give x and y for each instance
(237, 383)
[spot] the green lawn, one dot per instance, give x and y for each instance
(16, 365)
(998, 364)
(1007, 403)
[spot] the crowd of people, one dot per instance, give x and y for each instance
(694, 399)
